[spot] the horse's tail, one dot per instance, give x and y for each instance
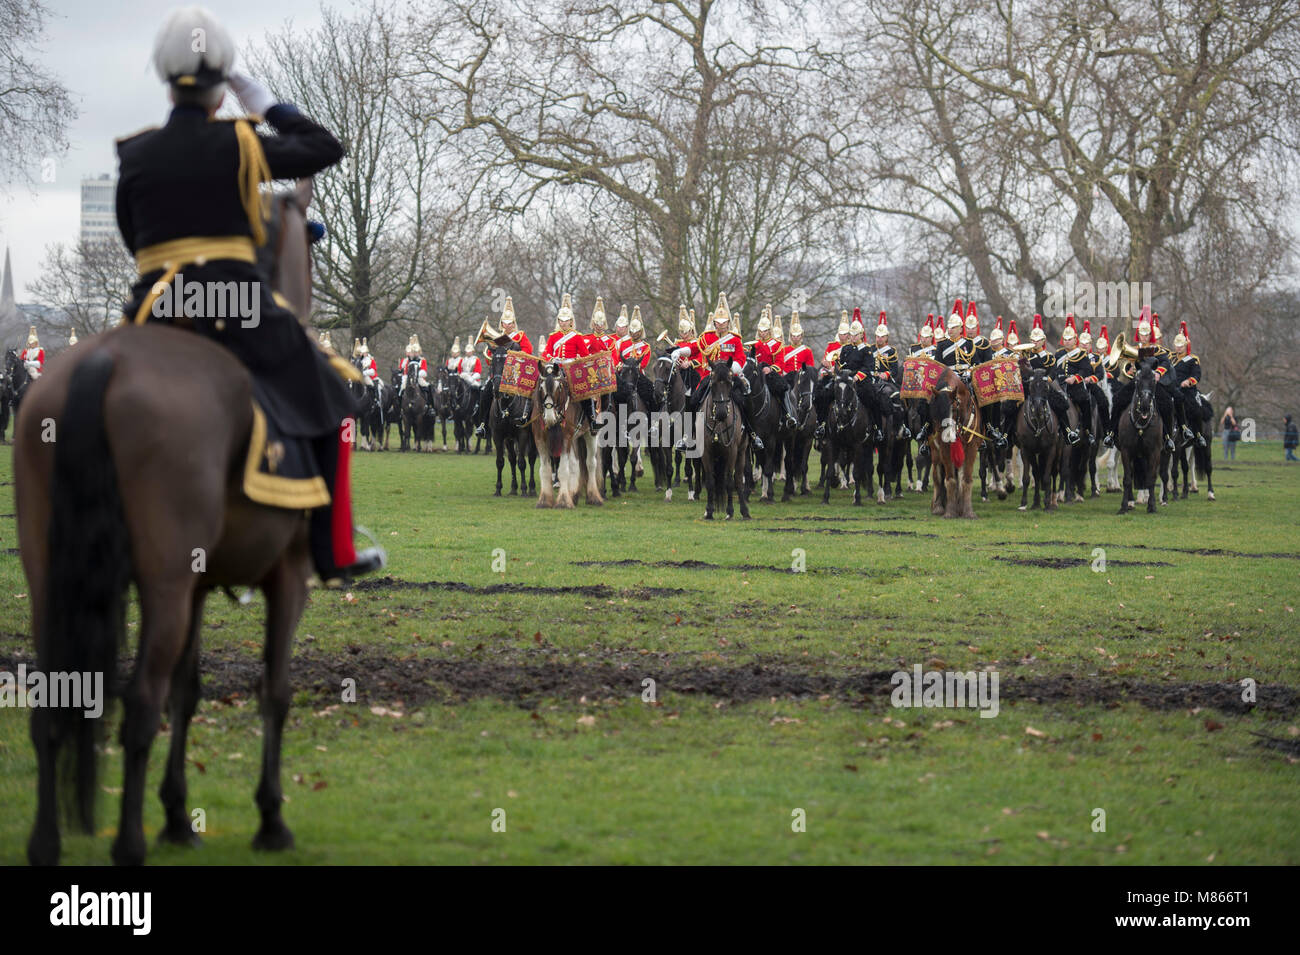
(89, 569)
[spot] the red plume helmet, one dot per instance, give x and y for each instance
(1069, 327)
(857, 314)
(959, 307)
(1012, 334)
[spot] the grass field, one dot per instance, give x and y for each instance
(1119, 643)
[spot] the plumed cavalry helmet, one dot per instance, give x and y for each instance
(972, 321)
(996, 335)
(415, 345)
(844, 328)
(1181, 340)
(636, 328)
(955, 321)
(685, 327)
(882, 327)
(1144, 326)
(777, 332)
(1036, 334)
(1069, 334)
(959, 308)
(564, 318)
(927, 330)
(692, 313)
(856, 330)
(364, 348)
(72, 336)
(796, 330)
(1103, 341)
(598, 316)
(193, 50)
(1085, 336)
(32, 340)
(508, 315)
(1155, 327)
(722, 314)
(765, 323)
(356, 343)
(1013, 336)
(455, 346)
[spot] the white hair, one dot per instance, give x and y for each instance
(191, 39)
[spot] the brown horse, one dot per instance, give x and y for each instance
(115, 500)
(955, 441)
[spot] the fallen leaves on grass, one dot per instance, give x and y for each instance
(1038, 734)
(1211, 726)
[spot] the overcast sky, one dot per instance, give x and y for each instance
(100, 49)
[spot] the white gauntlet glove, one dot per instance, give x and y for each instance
(252, 95)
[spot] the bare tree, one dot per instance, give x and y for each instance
(35, 107)
(347, 76)
(85, 285)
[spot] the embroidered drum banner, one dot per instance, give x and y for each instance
(520, 374)
(997, 380)
(592, 376)
(920, 374)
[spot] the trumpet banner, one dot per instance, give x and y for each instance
(997, 380)
(520, 374)
(592, 376)
(920, 375)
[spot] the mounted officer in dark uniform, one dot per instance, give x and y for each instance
(1074, 371)
(188, 203)
(1187, 375)
(1147, 349)
(1041, 358)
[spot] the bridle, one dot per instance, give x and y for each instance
(1142, 409)
(720, 412)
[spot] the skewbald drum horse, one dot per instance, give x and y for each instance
(955, 441)
(111, 502)
(566, 445)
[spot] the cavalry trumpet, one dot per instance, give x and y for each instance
(492, 336)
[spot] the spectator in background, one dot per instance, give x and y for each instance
(1231, 433)
(1291, 438)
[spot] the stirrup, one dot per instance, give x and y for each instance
(905, 433)
(820, 432)
(880, 436)
(1200, 440)
(1109, 440)
(1187, 433)
(480, 431)
(1072, 435)
(1169, 442)
(756, 441)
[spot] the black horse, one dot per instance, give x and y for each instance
(1038, 435)
(1140, 438)
(798, 438)
(508, 423)
(847, 423)
(12, 386)
(720, 432)
(764, 419)
(669, 400)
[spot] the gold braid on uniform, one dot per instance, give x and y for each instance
(253, 171)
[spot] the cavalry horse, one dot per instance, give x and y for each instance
(1038, 435)
(917, 417)
(13, 384)
(955, 441)
(764, 420)
(508, 421)
(1140, 439)
(721, 437)
(417, 416)
(847, 422)
(371, 400)
(628, 397)
(565, 443)
(110, 503)
(798, 440)
(1189, 457)
(669, 397)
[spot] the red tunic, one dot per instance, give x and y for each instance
(632, 349)
(468, 366)
(424, 365)
(522, 340)
(768, 352)
(565, 345)
(831, 350)
(36, 355)
(733, 349)
(796, 357)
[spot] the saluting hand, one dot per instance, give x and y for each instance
(252, 95)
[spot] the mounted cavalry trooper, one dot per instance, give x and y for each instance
(565, 344)
(685, 352)
(1187, 373)
(1145, 340)
(188, 200)
(720, 343)
(621, 326)
(600, 339)
(422, 366)
(1075, 372)
(33, 356)
(767, 349)
(886, 360)
(634, 347)
(1041, 358)
(956, 352)
(831, 354)
(854, 355)
(925, 338)
(796, 355)
(471, 366)
(998, 341)
(370, 370)
(453, 362)
(508, 327)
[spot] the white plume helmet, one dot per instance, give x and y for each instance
(193, 49)
(455, 346)
(722, 315)
(796, 330)
(32, 340)
(565, 314)
(844, 324)
(684, 326)
(635, 328)
(598, 315)
(508, 313)
(365, 348)
(765, 321)
(621, 321)
(72, 338)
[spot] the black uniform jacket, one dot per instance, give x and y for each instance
(182, 180)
